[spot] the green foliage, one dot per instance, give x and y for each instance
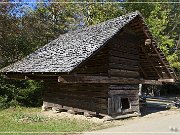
(16, 92)
(163, 21)
(35, 28)
(3, 102)
(31, 95)
(157, 22)
(96, 13)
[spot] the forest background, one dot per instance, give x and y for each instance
(26, 26)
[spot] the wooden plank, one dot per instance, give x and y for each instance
(134, 103)
(123, 92)
(98, 93)
(115, 59)
(98, 88)
(98, 79)
(95, 69)
(75, 102)
(31, 77)
(78, 104)
(115, 117)
(84, 91)
(102, 49)
(125, 63)
(41, 77)
(123, 73)
(124, 87)
(167, 80)
(124, 55)
(16, 76)
(109, 106)
(152, 82)
(127, 50)
(76, 95)
(123, 66)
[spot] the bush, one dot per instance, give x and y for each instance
(3, 102)
(20, 92)
(31, 96)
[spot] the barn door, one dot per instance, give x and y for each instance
(116, 104)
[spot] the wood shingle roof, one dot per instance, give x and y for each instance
(69, 50)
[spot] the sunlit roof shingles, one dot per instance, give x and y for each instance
(69, 50)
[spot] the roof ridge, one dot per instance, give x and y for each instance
(91, 26)
(70, 49)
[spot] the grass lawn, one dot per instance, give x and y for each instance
(28, 120)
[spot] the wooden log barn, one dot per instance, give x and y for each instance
(97, 69)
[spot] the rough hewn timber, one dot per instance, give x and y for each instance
(99, 79)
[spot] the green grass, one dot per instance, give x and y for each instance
(28, 120)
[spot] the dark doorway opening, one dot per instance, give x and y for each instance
(125, 103)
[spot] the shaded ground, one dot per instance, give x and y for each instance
(161, 123)
(156, 120)
(153, 107)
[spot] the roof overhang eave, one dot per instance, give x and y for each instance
(30, 75)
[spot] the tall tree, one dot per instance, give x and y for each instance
(95, 13)
(163, 19)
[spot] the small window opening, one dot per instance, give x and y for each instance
(125, 103)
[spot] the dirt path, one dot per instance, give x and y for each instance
(163, 122)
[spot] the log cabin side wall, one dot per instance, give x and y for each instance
(119, 58)
(97, 65)
(123, 62)
(81, 96)
(77, 97)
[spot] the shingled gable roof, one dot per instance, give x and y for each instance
(69, 50)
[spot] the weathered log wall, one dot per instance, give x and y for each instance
(90, 97)
(123, 62)
(120, 58)
(80, 97)
(119, 92)
(95, 65)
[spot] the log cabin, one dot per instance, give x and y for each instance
(97, 69)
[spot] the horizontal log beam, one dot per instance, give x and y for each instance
(14, 76)
(31, 77)
(97, 79)
(167, 80)
(123, 73)
(152, 82)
